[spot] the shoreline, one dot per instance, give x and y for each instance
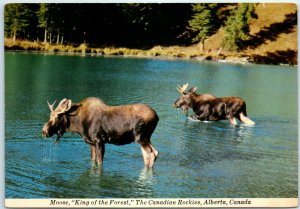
(170, 52)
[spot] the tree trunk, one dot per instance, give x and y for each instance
(45, 36)
(50, 37)
(14, 36)
(219, 51)
(202, 44)
(57, 38)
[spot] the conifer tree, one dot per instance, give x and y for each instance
(237, 26)
(43, 19)
(16, 20)
(204, 21)
(50, 18)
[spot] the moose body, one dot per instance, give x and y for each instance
(210, 108)
(98, 124)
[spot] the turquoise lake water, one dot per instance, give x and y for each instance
(196, 160)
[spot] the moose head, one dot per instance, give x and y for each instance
(57, 123)
(185, 101)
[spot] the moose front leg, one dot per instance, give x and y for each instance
(93, 152)
(185, 110)
(194, 117)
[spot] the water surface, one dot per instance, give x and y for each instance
(196, 160)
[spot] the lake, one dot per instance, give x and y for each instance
(197, 159)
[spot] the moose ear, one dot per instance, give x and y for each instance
(74, 109)
(192, 90)
(63, 106)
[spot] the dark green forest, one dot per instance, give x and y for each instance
(128, 24)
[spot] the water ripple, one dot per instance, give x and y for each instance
(196, 159)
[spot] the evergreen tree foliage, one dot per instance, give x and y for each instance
(204, 21)
(237, 26)
(50, 18)
(126, 24)
(129, 24)
(16, 20)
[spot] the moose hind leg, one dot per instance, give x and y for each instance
(148, 155)
(232, 120)
(100, 149)
(246, 120)
(145, 155)
(154, 150)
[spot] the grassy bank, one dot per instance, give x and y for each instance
(190, 52)
(273, 39)
(174, 51)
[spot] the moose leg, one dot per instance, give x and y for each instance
(100, 149)
(93, 152)
(103, 151)
(232, 120)
(194, 117)
(154, 150)
(246, 120)
(148, 155)
(145, 155)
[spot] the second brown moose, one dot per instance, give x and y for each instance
(210, 108)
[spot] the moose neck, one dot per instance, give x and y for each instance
(73, 124)
(197, 100)
(192, 102)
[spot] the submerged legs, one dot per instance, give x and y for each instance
(100, 149)
(154, 150)
(97, 152)
(232, 121)
(149, 154)
(93, 152)
(148, 151)
(246, 120)
(242, 118)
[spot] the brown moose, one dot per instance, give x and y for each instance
(210, 108)
(98, 124)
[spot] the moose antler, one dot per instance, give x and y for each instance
(51, 106)
(183, 88)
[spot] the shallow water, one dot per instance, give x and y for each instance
(196, 159)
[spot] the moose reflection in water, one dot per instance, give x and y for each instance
(98, 124)
(210, 108)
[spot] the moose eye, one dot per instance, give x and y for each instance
(53, 120)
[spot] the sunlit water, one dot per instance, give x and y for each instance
(196, 159)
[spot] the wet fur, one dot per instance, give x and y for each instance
(99, 124)
(210, 108)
